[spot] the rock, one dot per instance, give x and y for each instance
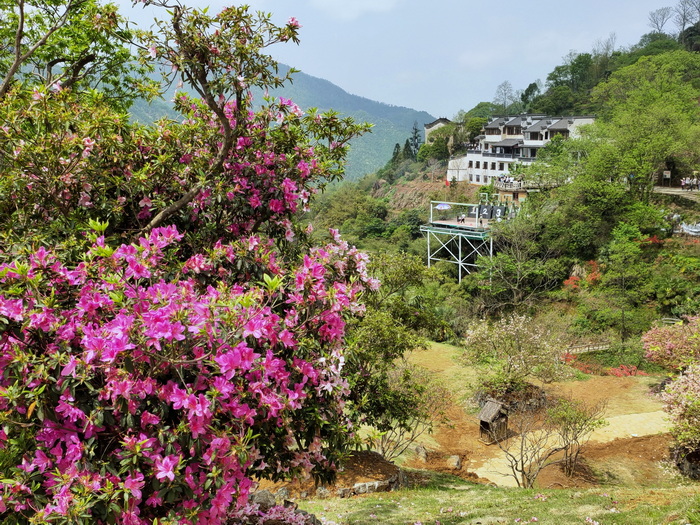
(454, 462)
(402, 480)
(344, 492)
(360, 488)
(322, 493)
(383, 486)
(310, 518)
(264, 498)
(282, 494)
(422, 453)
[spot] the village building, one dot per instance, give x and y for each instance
(434, 126)
(505, 143)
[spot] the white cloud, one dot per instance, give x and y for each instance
(353, 9)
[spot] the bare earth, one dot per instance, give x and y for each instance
(630, 448)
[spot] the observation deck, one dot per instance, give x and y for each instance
(458, 233)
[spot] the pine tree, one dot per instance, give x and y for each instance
(415, 139)
(408, 151)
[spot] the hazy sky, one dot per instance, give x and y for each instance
(441, 56)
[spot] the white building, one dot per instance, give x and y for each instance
(507, 141)
(434, 126)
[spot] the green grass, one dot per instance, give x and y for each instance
(449, 501)
(631, 354)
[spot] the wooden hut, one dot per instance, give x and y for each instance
(493, 422)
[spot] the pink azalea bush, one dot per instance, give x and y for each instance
(152, 369)
(678, 347)
(152, 395)
(674, 346)
(682, 398)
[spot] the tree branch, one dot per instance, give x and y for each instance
(21, 58)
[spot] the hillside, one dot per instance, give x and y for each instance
(392, 124)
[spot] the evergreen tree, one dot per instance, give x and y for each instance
(408, 153)
(415, 139)
(396, 156)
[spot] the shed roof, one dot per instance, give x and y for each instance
(490, 411)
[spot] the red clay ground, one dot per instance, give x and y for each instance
(628, 452)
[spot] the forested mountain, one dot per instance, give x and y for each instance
(391, 124)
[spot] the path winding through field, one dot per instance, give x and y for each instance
(631, 412)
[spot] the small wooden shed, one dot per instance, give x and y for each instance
(493, 422)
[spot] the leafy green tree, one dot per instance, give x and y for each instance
(436, 148)
(78, 44)
(522, 267)
(474, 126)
(415, 139)
(558, 100)
(624, 273)
(527, 96)
(587, 208)
(650, 114)
(482, 110)
(378, 342)
(396, 155)
(407, 152)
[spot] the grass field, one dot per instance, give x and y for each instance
(449, 500)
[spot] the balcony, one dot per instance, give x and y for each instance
(523, 185)
(507, 186)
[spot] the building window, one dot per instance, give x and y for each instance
(478, 164)
(493, 165)
(478, 178)
(471, 163)
(500, 166)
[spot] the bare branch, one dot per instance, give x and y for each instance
(659, 17)
(20, 57)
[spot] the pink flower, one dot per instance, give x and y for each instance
(134, 484)
(293, 22)
(164, 467)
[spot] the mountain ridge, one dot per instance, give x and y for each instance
(391, 124)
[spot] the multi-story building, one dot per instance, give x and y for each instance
(507, 141)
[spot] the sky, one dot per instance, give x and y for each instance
(440, 56)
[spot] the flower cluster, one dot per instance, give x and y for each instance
(675, 346)
(152, 394)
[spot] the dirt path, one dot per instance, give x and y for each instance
(634, 417)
